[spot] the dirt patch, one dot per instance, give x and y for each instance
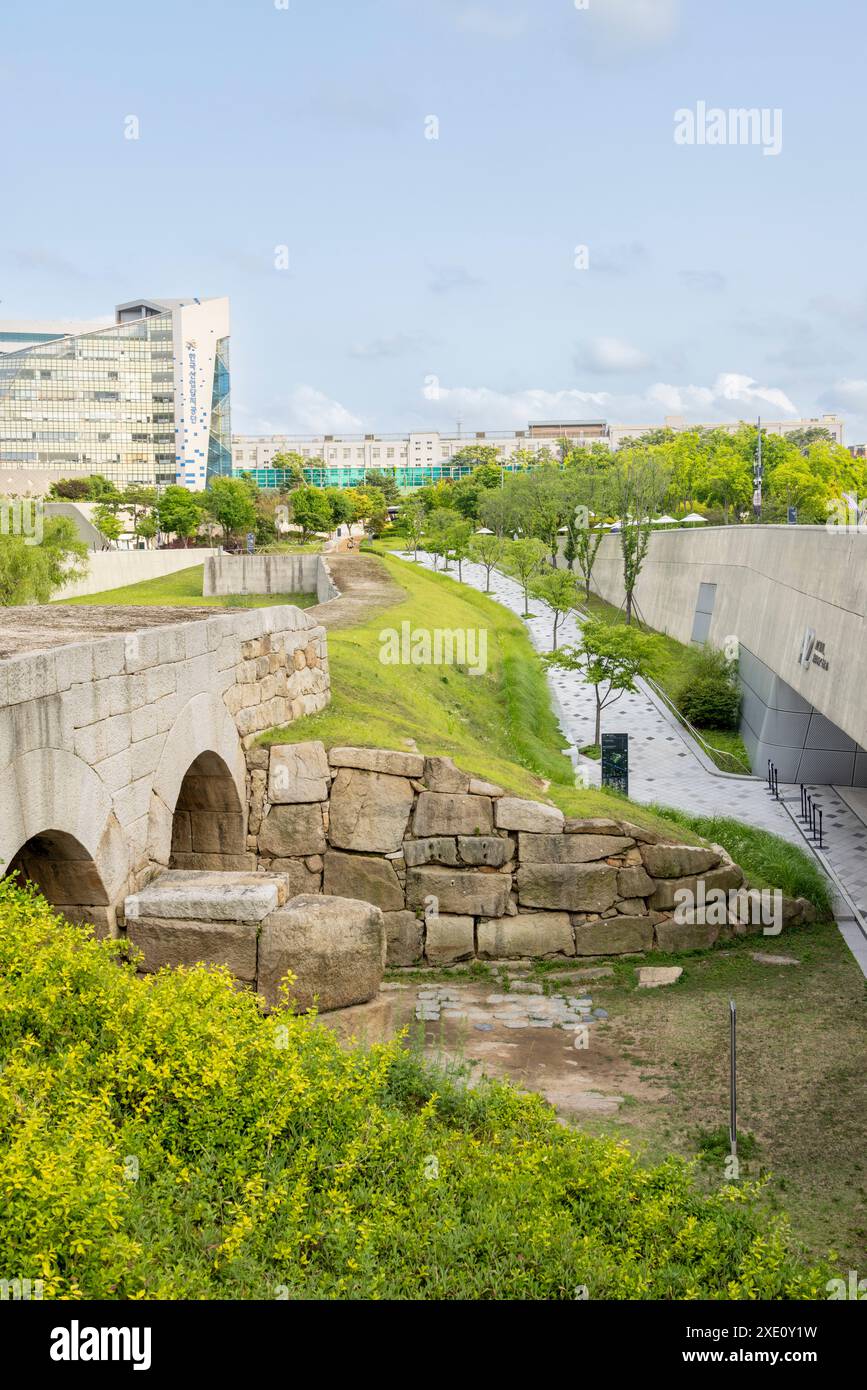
(365, 587)
(39, 627)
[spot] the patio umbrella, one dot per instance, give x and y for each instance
(694, 516)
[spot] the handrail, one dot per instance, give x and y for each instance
(700, 740)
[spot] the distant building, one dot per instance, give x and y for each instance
(426, 456)
(142, 400)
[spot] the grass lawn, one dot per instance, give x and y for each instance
(727, 748)
(183, 589)
(802, 1086)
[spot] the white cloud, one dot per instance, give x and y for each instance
(479, 19)
(396, 345)
(612, 355)
(312, 412)
(445, 278)
(732, 396)
(706, 281)
(620, 25)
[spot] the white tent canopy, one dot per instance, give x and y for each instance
(694, 516)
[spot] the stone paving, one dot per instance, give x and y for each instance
(665, 769)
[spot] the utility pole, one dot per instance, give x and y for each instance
(757, 476)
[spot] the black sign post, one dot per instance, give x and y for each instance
(615, 762)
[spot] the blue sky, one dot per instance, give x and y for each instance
(722, 282)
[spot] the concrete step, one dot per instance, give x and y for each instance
(188, 894)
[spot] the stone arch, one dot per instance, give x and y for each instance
(204, 730)
(208, 830)
(56, 813)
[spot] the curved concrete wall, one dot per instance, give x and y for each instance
(775, 589)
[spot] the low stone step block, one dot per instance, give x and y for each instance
(335, 948)
(208, 897)
(181, 941)
(534, 934)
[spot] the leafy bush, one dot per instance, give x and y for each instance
(163, 1138)
(710, 697)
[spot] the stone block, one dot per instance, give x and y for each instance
(299, 875)
(463, 892)
(634, 882)
(614, 936)
(288, 831)
(385, 760)
(479, 788)
(726, 877)
(677, 861)
(439, 850)
(592, 825)
(298, 772)
(441, 775)
(187, 942)
(491, 850)
(368, 810)
(452, 813)
(362, 876)
(514, 813)
(530, 934)
(569, 849)
(448, 939)
(573, 887)
(334, 947)
(404, 936)
(207, 897)
(685, 936)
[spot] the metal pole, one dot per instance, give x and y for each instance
(820, 828)
(769, 774)
(733, 1109)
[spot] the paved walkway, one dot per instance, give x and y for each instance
(664, 767)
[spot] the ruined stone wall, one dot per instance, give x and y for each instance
(462, 870)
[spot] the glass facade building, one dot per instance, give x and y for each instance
(122, 401)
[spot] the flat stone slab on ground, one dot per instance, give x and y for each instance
(652, 976)
(764, 959)
(208, 897)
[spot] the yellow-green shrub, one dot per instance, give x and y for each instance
(164, 1138)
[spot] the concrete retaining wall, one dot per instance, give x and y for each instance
(269, 574)
(773, 588)
(113, 569)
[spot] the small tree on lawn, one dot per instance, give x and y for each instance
(559, 589)
(525, 560)
(610, 657)
(108, 524)
(179, 512)
(414, 520)
(458, 540)
(487, 551)
(637, 491)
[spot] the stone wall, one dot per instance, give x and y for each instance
(269, 574)
(462, 870)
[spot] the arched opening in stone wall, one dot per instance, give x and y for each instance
(208, 823)
(67, 877)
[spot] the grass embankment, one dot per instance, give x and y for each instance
(675, 666)
(161, 1138)
(183, 589)
(498, 725)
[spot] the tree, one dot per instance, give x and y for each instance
(525, 559)
(310, 510)
(375, 477)
(32, 573)
(294, 464)
(232, 504)
(638, 489)
(458, 538)
(414, 520)
(179, 512)
(559, 589)
(440, 523)
(108, 524)
(499, 512)
(610, 657)
(487, 551)
(146, 527)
